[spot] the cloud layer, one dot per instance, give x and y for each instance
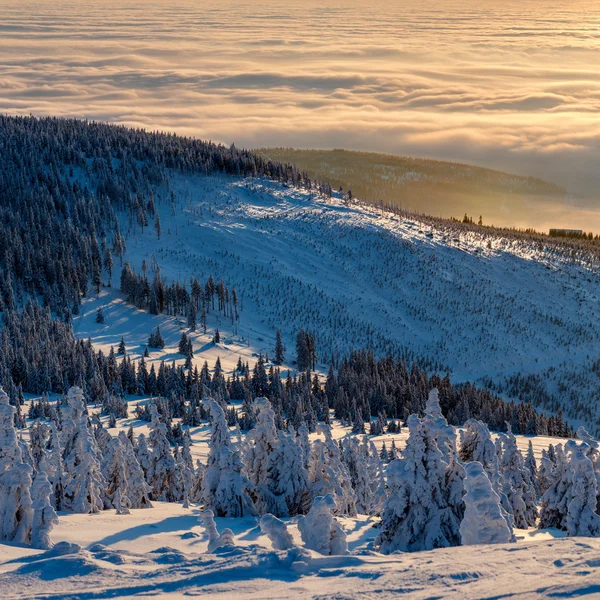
(511, 85)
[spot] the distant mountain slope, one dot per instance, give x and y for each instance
(428, 186)
(512, 311)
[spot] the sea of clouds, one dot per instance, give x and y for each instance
(513, 85)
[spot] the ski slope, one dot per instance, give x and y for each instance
(472, 303)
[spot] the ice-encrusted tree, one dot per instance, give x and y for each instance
(444, 436)
(143, 454)
(476, 445)
(377, 470)
(86, 485)
(531, 465)
(44, 515)
(138, 490)
(262, 442)
(286, 491)
(320, 530)
(161, 471)
(277, 532)
(215, 540)
(72, 413)
(556, 498)
(416, 515)
(581, 518)
(16, 512)
(484, 521)
(570, 501)
(356, 459)
(593, 454)
(117, 484)
(521, 492)
(328, 475)
(544, 474)
(224, 489)
(55, 468)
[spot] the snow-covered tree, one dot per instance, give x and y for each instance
(444, 434)
(521, 492)
(320, 530)
(277, 532)
(262, 442)
(44, 516)
(555, 499)
(286, 491)
(416, 515)
(484, 521)
(531, 465)
(544, 473)
(328, 475)
(215, 540)
(86, 485)
(138, 490)
(476, 445)
(161, 471)
(581, 518)
(16, 513)
(356, 459)
(117, 484)
(224, 489)
(143, 454)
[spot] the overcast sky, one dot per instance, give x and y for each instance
(511, 85)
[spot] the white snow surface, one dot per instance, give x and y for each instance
(162, 552)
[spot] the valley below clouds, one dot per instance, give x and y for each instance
(494, 84)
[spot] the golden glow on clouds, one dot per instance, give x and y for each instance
(512, 85)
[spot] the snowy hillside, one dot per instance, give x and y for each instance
(506, 312)
(162, 553)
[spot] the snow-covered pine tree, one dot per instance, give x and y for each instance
(328, 474)
(85, 488)
(361, 477)
(161, 471)
(476, 445)
(224, 489)
(319, 529)
(581, 518)
(286, 489)
(55, 468)
(416, 515)
(44, 516)
(16, 513)
(544, 474)
(143, 455)
(555, 499)
(138, 490)
(116, 479)
(521, 492)
(277, 532)
(531, 465)
(484, 521)
(262, 442)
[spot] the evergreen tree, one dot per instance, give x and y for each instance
(416, 515)
(279, 350)
(16, 512)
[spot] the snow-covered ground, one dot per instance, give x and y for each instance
(484, 308)
(162, 552)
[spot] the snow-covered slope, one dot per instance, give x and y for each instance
(161, 552)
(484, 307)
